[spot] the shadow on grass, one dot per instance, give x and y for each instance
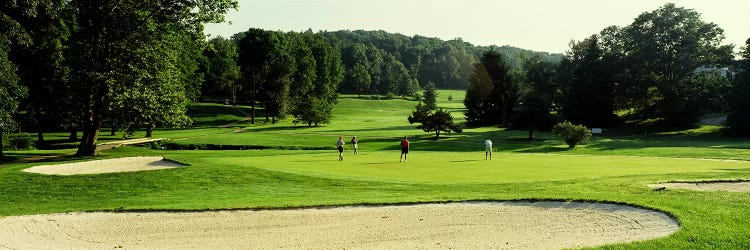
(463, 161)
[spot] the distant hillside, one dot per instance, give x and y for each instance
(447, 64)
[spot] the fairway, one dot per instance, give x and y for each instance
(471, 167)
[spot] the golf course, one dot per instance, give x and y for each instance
(291, 172)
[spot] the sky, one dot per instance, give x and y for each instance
(540, 25)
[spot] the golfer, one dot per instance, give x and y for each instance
(354, 142)
(404, 149)
(487, 149)
(340, 147)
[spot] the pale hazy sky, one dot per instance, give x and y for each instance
(541, 25)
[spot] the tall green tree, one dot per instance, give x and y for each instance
(477, 93)
(665, 47)
(107, 31)
(317, 106)
(503, 91)
(589, 94)
(41, 66)
(223, 74)
(19, 20)
(153, 93)
(267, 65)
(430, 96)
(538, 96)
(738, 121)
(301, 93)
(357, 67)
(10, 93)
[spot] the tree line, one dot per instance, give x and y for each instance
(382, 63)
(75, 65)
(72, 64)
(650, 71)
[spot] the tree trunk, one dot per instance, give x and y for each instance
(273, 119)
(234, 95)
(252, 99)
(87, 147)
(252, 112)
(149, 131)
(437, 134)
(40, 137)
(114, 130)
(1, 145)
(92, 122)
(73, 135)
(531, 132)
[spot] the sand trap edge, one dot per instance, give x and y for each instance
(106, 166)
(728, 185)
(669, 225)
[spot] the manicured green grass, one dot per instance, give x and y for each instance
(614, 167)
(465, 167)
(251, 179)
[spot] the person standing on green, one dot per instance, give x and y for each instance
(340, 147)
(487, 149)
(404, 149)
(354, 144)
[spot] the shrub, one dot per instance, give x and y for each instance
(417, 96)
(572, 134)
(390, 96)
(19, 142)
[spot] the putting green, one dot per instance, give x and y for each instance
(471, 167)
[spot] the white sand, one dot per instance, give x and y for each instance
(524, 225)
(127, 164)
(743, 186)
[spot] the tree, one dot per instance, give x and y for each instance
(328, 77)
(223, 72)
(357, 67)
(572, 134)
(10, 93)
(589, 94)
(19, 20)
(301, 92)
(266, 64)
(359, 79)
(41, 66)
(430, 96)
(107, 31)
(280, 66)
(153, 93)
(537, 99)
(475, 101)
(433, 120)
(738, 121)
(665, 47)
(492, 92)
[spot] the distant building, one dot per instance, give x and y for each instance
(724, 71)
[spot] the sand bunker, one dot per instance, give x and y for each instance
(127, 164)
(539, 225)
(742, 186)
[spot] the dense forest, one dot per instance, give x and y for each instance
(378, 62)
(667, 68)
(80, 65)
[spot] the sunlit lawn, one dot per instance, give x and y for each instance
(614, 167)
